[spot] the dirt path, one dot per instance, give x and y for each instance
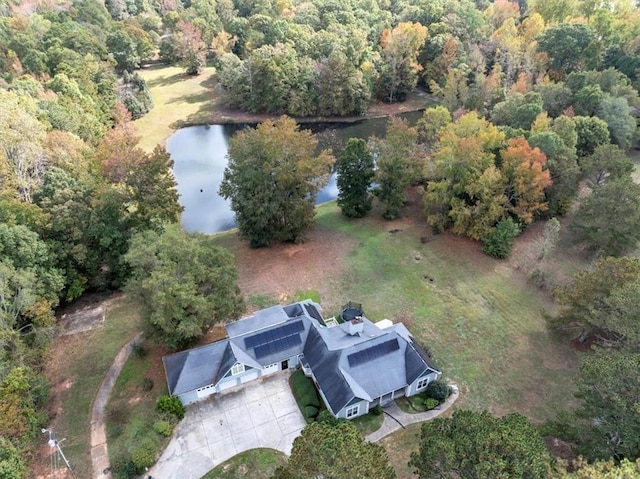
(99, 451)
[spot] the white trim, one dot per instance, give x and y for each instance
(422, 383)
(353, 411)
(237, 368)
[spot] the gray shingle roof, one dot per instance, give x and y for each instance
(346, 366)
(195, 368)
(325, 365)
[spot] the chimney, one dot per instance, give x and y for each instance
(356, 326)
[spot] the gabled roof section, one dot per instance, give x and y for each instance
(378, 365)
(325, 365)
(195, 368)
(262, 319)
(227, 361)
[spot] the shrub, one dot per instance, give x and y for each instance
(147, 384)
(438, 390)
(170, 405)
(326, 417)
(310, 412)
(430, 403)
(376, 411)
(164, 428)
(123, 466)
(500, 241)
(139, 349)
(144, 455)
(118, 415)
(304, 391)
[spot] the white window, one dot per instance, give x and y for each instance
(237, 369)
(353, 411)
(422, 383)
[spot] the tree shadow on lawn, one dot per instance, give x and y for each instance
(167, 80)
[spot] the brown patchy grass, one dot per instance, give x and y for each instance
(75, 369)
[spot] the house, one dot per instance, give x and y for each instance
(356, 365)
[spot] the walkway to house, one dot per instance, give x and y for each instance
(395, 418)
(260, 413)
(99, 452)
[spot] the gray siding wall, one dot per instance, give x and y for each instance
(363, 408)
(413, 387)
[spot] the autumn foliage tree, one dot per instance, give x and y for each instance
(527, 178)
(400, 48)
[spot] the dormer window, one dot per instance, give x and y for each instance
(238, 368)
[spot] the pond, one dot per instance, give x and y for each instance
(200, 157)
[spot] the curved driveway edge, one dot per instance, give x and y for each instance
(261, 413)
(395, 418)
(99, 451)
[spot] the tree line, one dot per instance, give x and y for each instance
(536, 99)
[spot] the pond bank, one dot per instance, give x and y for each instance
(181, 101)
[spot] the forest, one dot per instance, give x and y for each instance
(538, 107)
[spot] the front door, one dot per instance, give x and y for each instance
(285, 364)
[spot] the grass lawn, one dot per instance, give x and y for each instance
(253, 464)
(76, 369)
(131, 411)
(179, 100)
(479, 317)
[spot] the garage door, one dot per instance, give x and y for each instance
(249, 377)
(272, 368)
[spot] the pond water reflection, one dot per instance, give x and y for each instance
(200, 157)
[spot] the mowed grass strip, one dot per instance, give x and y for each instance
(254, 464)
(478, 316)
(76, 368)
(179, 100)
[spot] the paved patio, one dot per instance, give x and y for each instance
(261, 413)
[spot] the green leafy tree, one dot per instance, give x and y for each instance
(608, 220)
(335, 450)
(570, 47)
(124, 50)
(184, 282)
(272, 179)
(400, 162)
(475, 444)
(355, 173)
(563, 169)
(428, 126)
(607, 162)
(608, 384)
(592, 132)
(500, 241)
(29, 282)
(616, 113)
(12, 464)
(68, 201)
(601, 300)
(607, 469)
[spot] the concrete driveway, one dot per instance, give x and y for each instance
(261, 413)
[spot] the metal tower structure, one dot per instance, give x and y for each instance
(56, 455)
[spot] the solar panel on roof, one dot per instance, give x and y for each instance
(313, 312)
(277, 346)
(374, 352)
(265, 337)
